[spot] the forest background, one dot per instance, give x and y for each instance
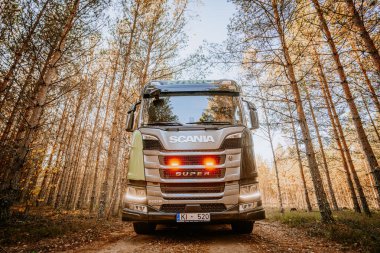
(70, 69)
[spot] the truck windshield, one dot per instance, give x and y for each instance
(192, 110)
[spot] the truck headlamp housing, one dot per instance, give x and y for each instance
(232, 136)
(232, 141)
(135, 195)
(149, 137)
(151, 142)
(137, 207)
(249, 193)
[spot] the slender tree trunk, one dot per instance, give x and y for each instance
(48, 169)
(100, 143)
(371, 90)
(23, 47)
(323, 204)
(68, 153)
(300, 165)
(332, 113)
(74, 161)
(52, 189)
(351, 166)
(84, 181)
(70, 201)
(329, 184)
(111, 159)
(274, 159)
(367, 149)
(44, 83)
(10, 121)
(364, 35)
(370, 117)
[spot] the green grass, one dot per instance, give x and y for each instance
(352, 229)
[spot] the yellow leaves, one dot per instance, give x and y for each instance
(18, 209)
(35, 191)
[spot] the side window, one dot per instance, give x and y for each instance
(246, 115)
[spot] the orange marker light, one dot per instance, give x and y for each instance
(174, 162)
(209, 162)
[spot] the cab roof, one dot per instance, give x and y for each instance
(191, 86)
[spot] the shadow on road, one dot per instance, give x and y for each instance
(198, 232)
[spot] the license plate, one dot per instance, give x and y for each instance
(193, 217)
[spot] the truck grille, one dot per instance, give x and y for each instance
(192, 173)
(192, 188)
(180, 208)
(192, 159)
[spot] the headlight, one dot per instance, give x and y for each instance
(149, 137)
(135, 195)
(249, 193)
(247, 206)
(234, 136)
(137, 207)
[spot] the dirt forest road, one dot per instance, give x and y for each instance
(267, 237)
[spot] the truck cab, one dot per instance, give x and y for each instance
(191, 157)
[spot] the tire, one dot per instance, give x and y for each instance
(242, 227)
(144, 228)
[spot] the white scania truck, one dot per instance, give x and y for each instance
(191, 157)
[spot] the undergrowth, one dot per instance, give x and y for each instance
(352, 229)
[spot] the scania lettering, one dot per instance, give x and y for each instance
(191, 157)
(202, 138)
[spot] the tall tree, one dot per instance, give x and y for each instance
(364, 34)
(367, 149)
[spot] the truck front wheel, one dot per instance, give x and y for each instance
(144, 228)
(242, 227)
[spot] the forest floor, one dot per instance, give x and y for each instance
(292, 232)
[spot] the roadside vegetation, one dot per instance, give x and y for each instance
(351, 229)
(51, 231)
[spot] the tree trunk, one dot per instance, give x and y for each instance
(367, 149)
(44, 83)
(274, 159)
(332, 113)
(68, 153)
(10, 121)
(70, 201)
(370, 117)
(371, 90)
(48, 169)
(111, 159)
(306, 193)
(73, 166)
(329, 184)
(351, 166)
(323, 204)
(100, 143)
(20, 51)
(366, 38)
(84, 181)
(57, 172)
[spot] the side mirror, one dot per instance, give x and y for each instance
(253, 119)
(130, 120)
(131, 117)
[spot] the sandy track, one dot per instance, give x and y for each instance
(267, 237)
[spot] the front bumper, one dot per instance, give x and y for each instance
(219, 217)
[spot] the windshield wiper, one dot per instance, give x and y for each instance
(163, 123)
(210, 123)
